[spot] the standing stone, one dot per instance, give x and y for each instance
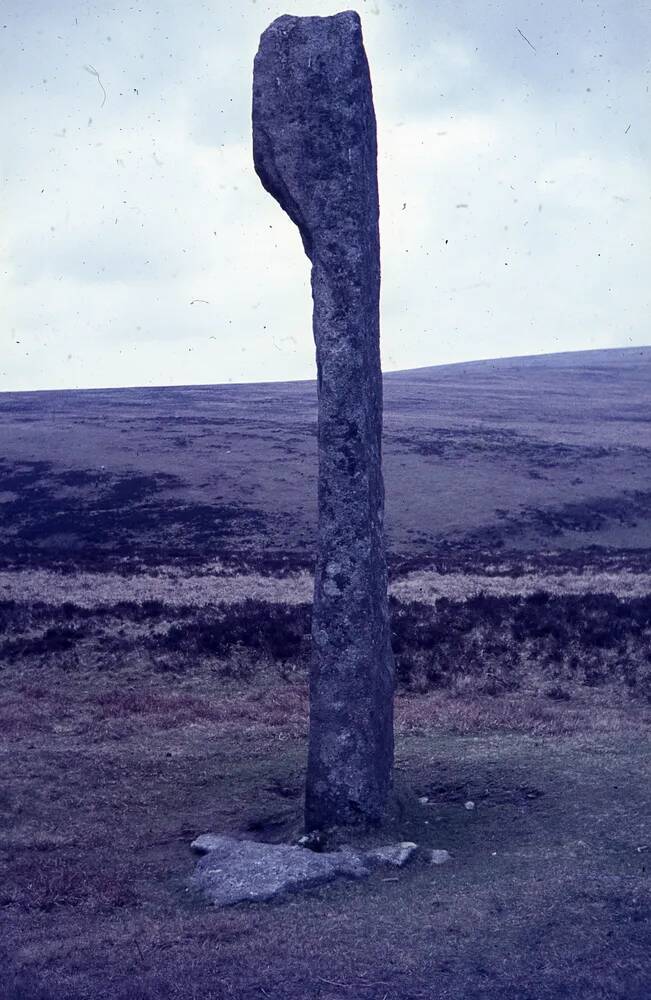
(314, 149)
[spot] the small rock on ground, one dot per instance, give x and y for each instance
(392, 854)
(439, 857)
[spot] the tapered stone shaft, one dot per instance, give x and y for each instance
(314, 148)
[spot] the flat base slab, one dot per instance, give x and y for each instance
(235, 871)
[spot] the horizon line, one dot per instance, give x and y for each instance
(385, 372)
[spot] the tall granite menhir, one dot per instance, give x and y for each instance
(314, 149)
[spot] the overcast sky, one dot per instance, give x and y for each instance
(138, 246)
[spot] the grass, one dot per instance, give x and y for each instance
(106, 779)
(154, 652)
(129, 728)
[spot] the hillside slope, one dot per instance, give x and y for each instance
(546, 455)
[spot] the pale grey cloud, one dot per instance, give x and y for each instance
(138, 246)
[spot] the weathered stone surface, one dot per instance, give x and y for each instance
(439, 857)
(234, 871)
(392, 854)
(207, 842)
(314, 148)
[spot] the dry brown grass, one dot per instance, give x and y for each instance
(527, 712)
(89, 704)
(212, 584)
